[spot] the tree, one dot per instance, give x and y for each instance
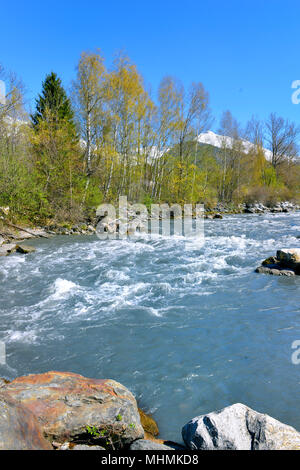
(281, 137)
(12, 103)
(55, 148)
(53, 103)
(88, 94)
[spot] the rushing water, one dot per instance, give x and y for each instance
(188, 329)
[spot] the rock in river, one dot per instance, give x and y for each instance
(289, 258)
(24, 249)
(238, 427)
(73, 408)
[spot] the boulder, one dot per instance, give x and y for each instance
(74, 408)
(144, 444)
(19, 428)
(24, 249)
(289, 258)
(238, 427)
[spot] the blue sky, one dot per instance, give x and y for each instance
(246, 52)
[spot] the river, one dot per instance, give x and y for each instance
(188, 328)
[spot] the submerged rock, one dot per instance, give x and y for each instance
(149, 424)
(71, 407)
(238, 427)
(19, 428)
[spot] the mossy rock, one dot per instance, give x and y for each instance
(149, 424)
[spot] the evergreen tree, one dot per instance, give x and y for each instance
(53, 102)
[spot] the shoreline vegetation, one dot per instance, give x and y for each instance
(109, 136)
(66, 411)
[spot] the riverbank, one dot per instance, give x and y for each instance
(11, 235)
(66, 411)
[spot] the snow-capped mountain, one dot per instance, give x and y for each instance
(216, 140)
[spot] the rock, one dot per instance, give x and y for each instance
(290, 258)
(7, 249)
(275, 270)
(270, 260)
(218, 216)
(70, 446)
(25, 249)
(2, 240)
(149, 424)
(19, 428)
(85, 447)
(71, 407)
(144, 444)
(238, 427)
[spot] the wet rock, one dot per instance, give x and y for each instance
(144, 444)
(71, 407)
(270, 261)
(19, 428)
(218, 216)
(275, 270)
(25, 249)
(238, 427)
(149, 424)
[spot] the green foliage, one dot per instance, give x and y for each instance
(53, 103)
(127, 145)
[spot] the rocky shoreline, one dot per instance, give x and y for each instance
(66, 411)
(12, 237)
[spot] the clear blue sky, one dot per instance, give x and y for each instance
(245, 52)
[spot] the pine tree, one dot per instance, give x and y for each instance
(53, 102)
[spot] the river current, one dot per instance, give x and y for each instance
(188, 329)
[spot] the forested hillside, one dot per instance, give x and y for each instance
(109, 136)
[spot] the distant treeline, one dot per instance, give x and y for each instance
(109, 137)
